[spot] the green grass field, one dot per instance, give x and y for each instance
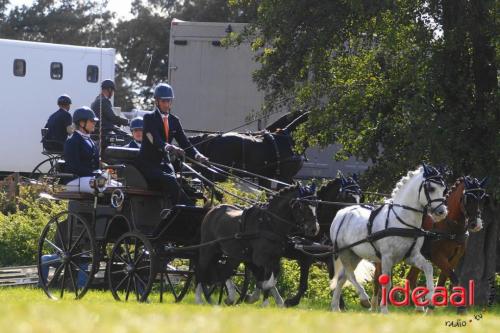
(29, 310)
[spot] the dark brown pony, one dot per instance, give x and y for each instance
(465, 203)
(262, 231)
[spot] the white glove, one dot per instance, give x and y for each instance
(201, 158)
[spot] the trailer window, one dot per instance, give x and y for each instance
(92, 73)
(19, 67)
(56, 71)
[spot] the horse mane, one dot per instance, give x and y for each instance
(454, 187)
(324, 189)
(405, 180)
(249, 137)
(284, 191)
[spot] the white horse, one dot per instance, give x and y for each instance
(421, 190)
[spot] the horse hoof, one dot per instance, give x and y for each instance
(461, 310)
(250, 300)
(291, 302)
(229, 302)
(365, 303)
(420, 309)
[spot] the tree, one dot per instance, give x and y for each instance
(393, 82)
(69, 21)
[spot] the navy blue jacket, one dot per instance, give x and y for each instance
(109, 118)
(153, 153)
(133, 144)
(57, 132)
(81, 155)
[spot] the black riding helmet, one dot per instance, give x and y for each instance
(108, 84)
(84, 113)
(64, 100)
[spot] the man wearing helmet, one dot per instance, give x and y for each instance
(58, 126)
(110, 120)
(136, 128)
(159, 129)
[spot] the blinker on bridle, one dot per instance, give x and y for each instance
(436, 179)
(478, 194)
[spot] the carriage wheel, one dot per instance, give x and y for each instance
(131, 267)
(66, 256)
(176, 277)
(46, 167)
(217, 293)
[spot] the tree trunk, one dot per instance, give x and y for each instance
(480, 259)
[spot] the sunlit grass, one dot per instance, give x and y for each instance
(28, 310)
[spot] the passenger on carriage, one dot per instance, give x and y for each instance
(81, 153)
(110, 121)
(136, 128)
(160, 128)
(58, 126)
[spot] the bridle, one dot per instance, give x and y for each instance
(477, 194)
(351, 189)
(426, 183)
(300, 221)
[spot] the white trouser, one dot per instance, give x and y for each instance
(82, 184)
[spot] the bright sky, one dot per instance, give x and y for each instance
(121, 7)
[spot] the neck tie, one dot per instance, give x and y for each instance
(165, 126)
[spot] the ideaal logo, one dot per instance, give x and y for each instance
(458, 297)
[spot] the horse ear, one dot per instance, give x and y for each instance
(426, 169)
(483, 182)
(301, 191)
(467, 182)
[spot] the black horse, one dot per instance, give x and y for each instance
(340, 189)
(255, 236)
(264, 153)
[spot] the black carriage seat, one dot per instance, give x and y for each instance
(131, 177)
(47, 152)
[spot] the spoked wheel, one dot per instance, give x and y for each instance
(46, 167)
(66, 256)
(131, 267)
(176, 277)
(219, 292)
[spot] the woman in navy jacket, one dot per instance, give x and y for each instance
(81, 153)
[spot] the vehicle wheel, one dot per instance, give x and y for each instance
(176, 277)
(46, 167)
(218, 292)
(66, 256)
(131, 267)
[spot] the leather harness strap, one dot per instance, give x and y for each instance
(270, 137)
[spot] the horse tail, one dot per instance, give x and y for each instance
(337, 267)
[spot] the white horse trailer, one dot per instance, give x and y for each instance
(32, 76)
(214, 89)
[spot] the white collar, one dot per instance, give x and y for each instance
(85, 135)
(138, 143)
(163, 115)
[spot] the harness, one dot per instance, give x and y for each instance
(411, 231)
(270, 137)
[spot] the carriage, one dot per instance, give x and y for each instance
(128, 232)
